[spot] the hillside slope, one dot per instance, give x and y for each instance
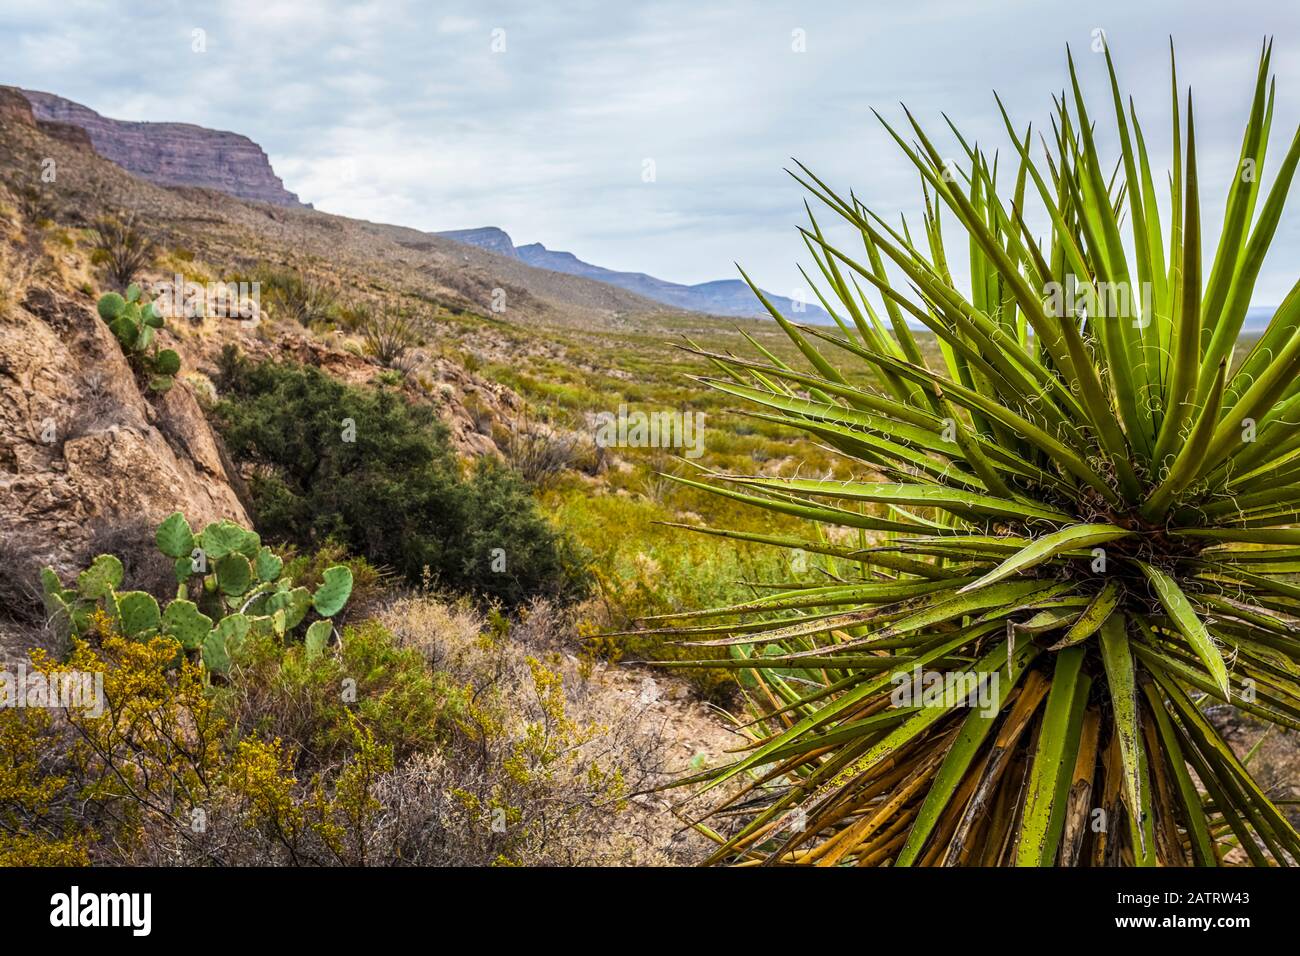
(363, 257)
(476, 270)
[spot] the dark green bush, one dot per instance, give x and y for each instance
(375, 473)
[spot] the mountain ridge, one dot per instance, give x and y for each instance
(730, 297)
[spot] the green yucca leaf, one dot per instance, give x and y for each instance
(1190, 460)
(1068, 489)
(1048, 546)
(1122, 681)
(932, 496)
(1093, 617)
(1058, 745)
(1189, 623)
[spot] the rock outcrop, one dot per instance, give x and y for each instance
(81, 448)
(14, 106)
(170, 154)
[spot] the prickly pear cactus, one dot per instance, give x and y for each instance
(134, 323)
(229, 585)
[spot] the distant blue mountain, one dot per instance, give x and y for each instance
(721, 297)
(1257, 318)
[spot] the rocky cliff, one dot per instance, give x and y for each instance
(14, 106)
(172, 154)
(81, 447)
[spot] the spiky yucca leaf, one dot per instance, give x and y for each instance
(1084, 506)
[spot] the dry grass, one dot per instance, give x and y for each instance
(596, 745)
(541, 452)
(468, 741)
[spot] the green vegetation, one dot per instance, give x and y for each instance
(1074, 491)
(621, 507)
(296, 294)
(1086, 515)
(427, 738)
(231, 586)
(122, 248)
(135, 324)
(374, 472)
(389, 334)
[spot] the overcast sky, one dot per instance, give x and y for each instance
(540, 117)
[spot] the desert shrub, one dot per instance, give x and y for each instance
(309, 702)
(122, 248)
(540, 453)
(538, 764)
(431, 737)
(297, 294)
(375, 473)
(157, 777)
(38, 825)
(388, 335)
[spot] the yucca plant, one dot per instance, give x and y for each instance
(123, 248)
(1081, 506)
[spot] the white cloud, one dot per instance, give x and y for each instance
(456, 24)
(392, 110)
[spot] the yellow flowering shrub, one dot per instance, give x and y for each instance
(31, 831)
(161, 774)
(430, 736)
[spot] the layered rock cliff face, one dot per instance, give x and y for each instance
(172, 154)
